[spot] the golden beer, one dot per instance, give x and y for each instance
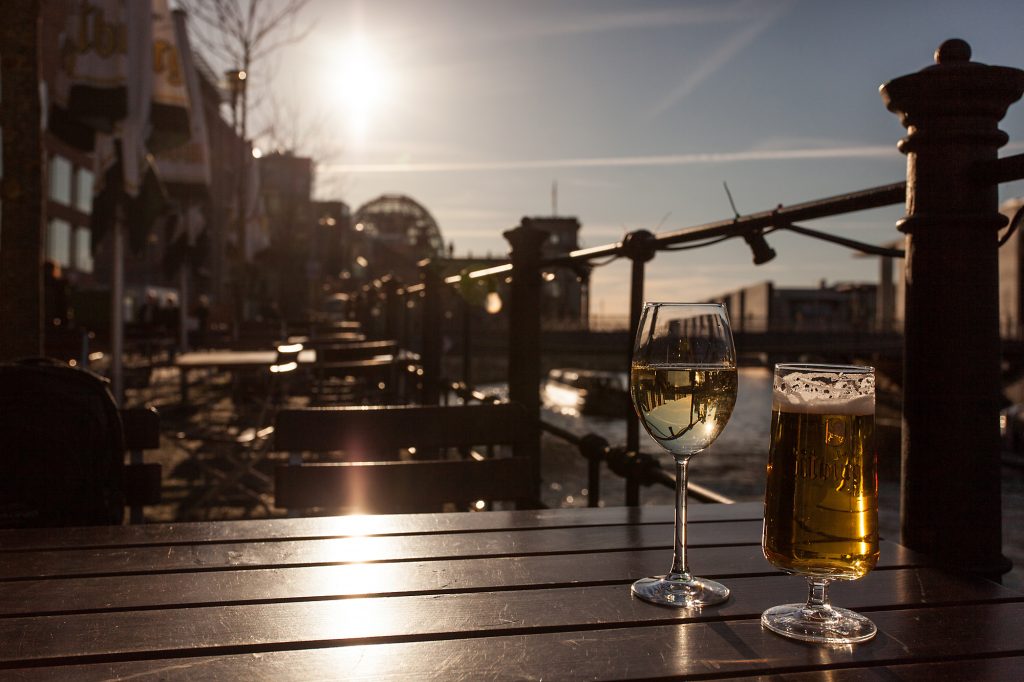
(821, 501)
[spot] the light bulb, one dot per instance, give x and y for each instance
(493, 305)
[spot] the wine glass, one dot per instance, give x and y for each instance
(821, 499)
(683, 385)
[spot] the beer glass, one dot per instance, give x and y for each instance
(683, 386)
(821, 499)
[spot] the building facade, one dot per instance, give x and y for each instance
(839, 307)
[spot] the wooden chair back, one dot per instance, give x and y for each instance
(62, 449)
(143, 481)
(352, 350)
(373, 480)
(356, 370)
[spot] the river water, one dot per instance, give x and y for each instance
(734, 465)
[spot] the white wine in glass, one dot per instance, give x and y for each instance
(683, 385)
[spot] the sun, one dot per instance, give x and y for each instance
(359, 83)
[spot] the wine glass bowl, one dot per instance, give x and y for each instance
(821, 497)
(683, 386)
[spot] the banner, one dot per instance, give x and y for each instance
(124, 171)
(187, 164)
(185, 238)
(90, 89)
(169, 111)
(257, 229)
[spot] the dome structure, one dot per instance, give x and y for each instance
(402, 224)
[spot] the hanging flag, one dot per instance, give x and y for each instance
(90, 88)
(124, 169)
(169, 111)
(257, 229)
(187, 164)
(185, 233)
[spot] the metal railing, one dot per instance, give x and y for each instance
(951, 381)
(635, 468)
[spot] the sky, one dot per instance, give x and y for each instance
(637, 111)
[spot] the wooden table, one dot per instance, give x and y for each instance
(235, 359)
(259, 360)
(231, 361)
(499, 595)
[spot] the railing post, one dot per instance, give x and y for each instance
(392, 308)
(951, 493)
(524, 367)
(466, 313)
(432, 336)
(639, 247)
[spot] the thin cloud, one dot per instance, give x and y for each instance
(719, 58)
(878, 151)
(588, 22)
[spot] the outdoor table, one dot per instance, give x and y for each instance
(476, 596)
(256, 360)
(231, 361)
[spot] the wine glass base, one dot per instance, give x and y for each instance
(819, 624)
(680, 592)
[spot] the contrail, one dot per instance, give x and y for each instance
(878, 151)
(719, 58)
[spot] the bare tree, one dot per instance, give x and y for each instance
(295, 126)
(241, 34)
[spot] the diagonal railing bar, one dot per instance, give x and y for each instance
(843, 241)
(1006, 169)
(874, 197)
(1002, 170)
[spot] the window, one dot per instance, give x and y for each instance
(83, 249)
(58, 242)
(60, 180)
(83, 190)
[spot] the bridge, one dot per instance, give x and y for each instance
(611, 349)
(826, 345)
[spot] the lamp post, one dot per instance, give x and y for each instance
(322, 257)
(235, 80)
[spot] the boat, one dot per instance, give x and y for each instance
(588, 391)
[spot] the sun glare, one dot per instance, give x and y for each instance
(359, 83)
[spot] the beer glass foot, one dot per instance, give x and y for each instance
(822, 624)
(680, 591)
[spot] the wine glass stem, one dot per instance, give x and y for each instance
(679, 565)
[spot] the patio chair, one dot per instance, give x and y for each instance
(348, 372)
(62, 448)
(143, 480)
(374, 476)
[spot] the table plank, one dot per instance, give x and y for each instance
(974, 669)
(361, 526)
(385, 578)
(709, 648)
(147, 559)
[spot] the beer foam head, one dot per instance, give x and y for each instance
(812, 389)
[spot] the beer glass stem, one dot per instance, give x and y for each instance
(680, 568)
(817, 594)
